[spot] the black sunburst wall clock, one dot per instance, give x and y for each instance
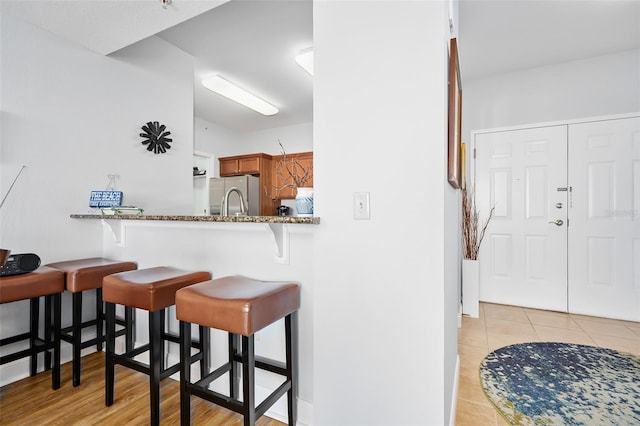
(156, 137)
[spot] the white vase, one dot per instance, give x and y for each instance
(470, 288)
(304, 201)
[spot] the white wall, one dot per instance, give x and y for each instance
(72, 117)
(296, 138)
(213, 139)
(605, 85)
(380, 354)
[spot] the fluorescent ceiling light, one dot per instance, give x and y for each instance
(229, 90)
(305, 60)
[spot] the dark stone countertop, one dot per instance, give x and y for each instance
(184, 218)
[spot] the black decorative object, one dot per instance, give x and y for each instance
(156, 137)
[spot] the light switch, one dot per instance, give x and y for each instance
(361, 209)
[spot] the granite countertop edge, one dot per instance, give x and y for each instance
(313, 220)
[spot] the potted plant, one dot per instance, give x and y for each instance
(472, 236)
(293, 174)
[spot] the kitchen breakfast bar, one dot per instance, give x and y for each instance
(269, 248)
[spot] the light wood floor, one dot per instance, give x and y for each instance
(501, 325)
(32, 402)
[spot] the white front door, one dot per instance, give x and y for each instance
(604, 231)
(523, 259)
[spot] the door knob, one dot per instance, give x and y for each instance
(558, 205)
(558, 222)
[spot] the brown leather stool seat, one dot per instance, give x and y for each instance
(43, 282)
(82, 275)
(241, 306)
(154, 290)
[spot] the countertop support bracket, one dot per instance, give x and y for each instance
(280, 233)
(117, 230)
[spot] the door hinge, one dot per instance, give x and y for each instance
(474, 153)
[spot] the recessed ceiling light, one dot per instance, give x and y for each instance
(305, 60)
(229, 90)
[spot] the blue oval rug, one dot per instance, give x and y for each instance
(563, 384)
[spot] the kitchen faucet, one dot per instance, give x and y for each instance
(225, 202)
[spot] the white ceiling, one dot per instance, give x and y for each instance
(105, 26)
(253, 42)
(506, 35)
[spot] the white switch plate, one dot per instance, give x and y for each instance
(361, 208)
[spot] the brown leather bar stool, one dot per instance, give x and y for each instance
(240, 306)
(43, 282)
(82, 275)
(153, 290)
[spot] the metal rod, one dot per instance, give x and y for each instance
(11, 187)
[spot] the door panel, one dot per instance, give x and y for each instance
(604, 233)
(523, 258)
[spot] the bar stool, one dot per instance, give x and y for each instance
(151, 289)
(239, 306)
(43, 282)
(82, 275)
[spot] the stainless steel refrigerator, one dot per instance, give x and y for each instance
(248, 185)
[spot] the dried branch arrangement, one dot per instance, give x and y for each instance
(471, 239)
(292, 174)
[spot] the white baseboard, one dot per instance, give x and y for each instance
(20, 369)
(16, 370)
(454, 393)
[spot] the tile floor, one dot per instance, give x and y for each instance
(501, 325)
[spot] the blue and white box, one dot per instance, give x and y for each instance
(105, 199)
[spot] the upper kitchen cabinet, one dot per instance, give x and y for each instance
(251, 164)
(299, 164)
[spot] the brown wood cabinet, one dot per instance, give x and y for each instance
(257, 165)
(251, 164)
(281, 178)
(272, 180)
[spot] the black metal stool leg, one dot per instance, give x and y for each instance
(205, 344)
(129, 315)
(185, 373)
(291, 343)
(76, 324)
(234, 379)
(155, 362)
(48, 331)
(34, 311)
(99, 318)
(57, 324)
(161, 339)
(248, 380)
(110, 350)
